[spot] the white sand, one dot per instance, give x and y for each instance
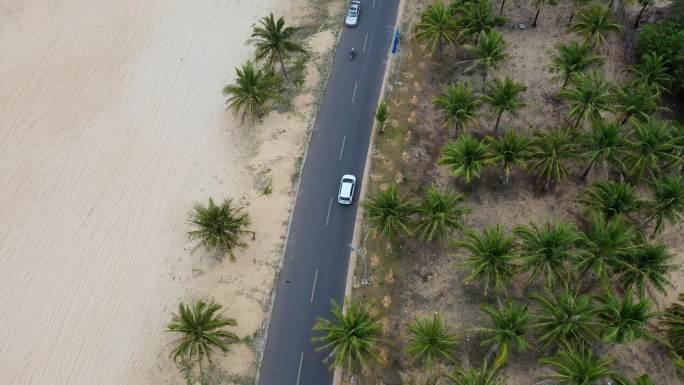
(112, 124)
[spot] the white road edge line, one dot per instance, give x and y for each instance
(299, 372)
(328, 217)
(373, 6)
(313, 288)
(365, 40)
(344, 139)
(356, 83)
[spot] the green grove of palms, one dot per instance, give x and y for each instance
(653, 70)
(667, 203)
(436, 28)
(539, 4)
(476, 17)
(430, 342)
(572, 58)
(509, 326)
(200, 329)
(565, 319)
(644, 4)
(594, 23)
(275, 42)
(546, 250)
(253, 90)
(351, 337)
(603, 144)
(578, 366)
(389, 212)
(548, 155)
(488, 52)
(648, 267)
(508, 151)
(472, 376)
(219, 227)
(504, 95)
(440, 213)
(638, 100)
(673, 321)
(458, 104)
(381, 115)
(589, 95)
(651, 146)
(491, 257)
(466, 157)
(625, 320)
(606, 244)
(611, 199)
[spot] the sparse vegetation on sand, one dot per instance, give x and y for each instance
(554, 249)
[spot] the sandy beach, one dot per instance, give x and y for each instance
(112, 124)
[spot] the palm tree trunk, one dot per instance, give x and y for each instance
(534, 23)
(503, 2)
(579, 118)
(456, 129)
(484, 79)
(624, 120)
(565, 81)
(586, 172)
(496, 125)
(440, 48)
(638, 18)
(572, 15)
(611, 4)
(282, 66)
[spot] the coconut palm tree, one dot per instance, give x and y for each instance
(436, 28)
(488, 53)
(275, 42)
(539, 4)
(492, 257)
(466, 157)
(381, 115)
(389, 213)
(644, 4)
(219, 227)
(430, 342)
(651, 146)
(578, 366)
(547, 249)
(440, 213)
(606, 244)
(637, 99)
(565, 319)
(625, 320)
(589, 95)
(572, 58)
(594, 23)
(648, 268)
(476, 17)
(548, 153)
(200, 330)
(577, 5)
(504, 95)
(611, 199)
(603, 144)
(667, 203)
(673, 320)
(510, 324)
(252, 91)
(507, 151)
(458, 104)
(653, 70)
(472, 376)
(351, 337)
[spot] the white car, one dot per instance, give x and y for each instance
(352, 19)
(346, 193)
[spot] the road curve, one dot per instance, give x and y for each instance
(316, 254)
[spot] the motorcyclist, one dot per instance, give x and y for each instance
(352, 53)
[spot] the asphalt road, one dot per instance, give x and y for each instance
(316, 255)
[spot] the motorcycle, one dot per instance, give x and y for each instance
(352, 53)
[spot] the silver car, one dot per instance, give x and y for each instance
(352, 19)
(346, 193)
